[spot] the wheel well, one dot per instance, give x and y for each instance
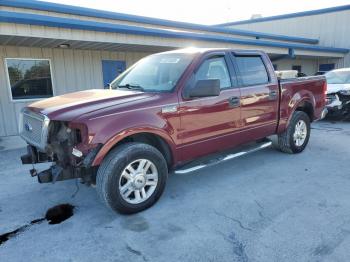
(307, 108)
(152, 140)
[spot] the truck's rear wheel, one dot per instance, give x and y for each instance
(296, 137)
(132, 177)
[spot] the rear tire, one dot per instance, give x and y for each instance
(296, 137)
(131, 178)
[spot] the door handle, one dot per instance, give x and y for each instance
(273, 94)
(234, 101)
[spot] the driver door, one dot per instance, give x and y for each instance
(208, 124)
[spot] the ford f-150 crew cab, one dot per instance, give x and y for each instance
(164, 111)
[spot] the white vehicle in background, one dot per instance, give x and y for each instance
(338, 92)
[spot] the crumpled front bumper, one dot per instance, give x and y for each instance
(333, 102)
(56, 172)
(338, 104)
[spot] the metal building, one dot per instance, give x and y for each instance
(50, 49)
(330, 26)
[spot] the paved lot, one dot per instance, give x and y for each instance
(267, 206)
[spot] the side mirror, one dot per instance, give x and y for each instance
(205, 88)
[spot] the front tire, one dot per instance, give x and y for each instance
(132, 177)
(296, 137)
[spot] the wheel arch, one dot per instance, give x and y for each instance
(152, 137)
(306, 107)
(305, 104)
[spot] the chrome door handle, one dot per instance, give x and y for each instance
(273, 94)
(234, 101)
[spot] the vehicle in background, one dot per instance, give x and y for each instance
(320, 73)
(338, 92)
(165, 111)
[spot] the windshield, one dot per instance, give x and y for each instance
(338, 77)
(155, 73)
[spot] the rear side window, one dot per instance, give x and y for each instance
(214, 68)
(252, 70)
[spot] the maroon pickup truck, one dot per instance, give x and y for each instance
(167, 110)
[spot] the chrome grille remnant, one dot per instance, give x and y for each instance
(33, 128)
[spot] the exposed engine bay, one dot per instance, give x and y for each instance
(68, 162)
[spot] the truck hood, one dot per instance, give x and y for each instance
(70, 106)
(334, 88)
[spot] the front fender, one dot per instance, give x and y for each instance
(109, 130)
(129, 132)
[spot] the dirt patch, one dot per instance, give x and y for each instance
(328, 128)
(135, 223)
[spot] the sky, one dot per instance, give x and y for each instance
(207, 11)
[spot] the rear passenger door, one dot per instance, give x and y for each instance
(259, 94)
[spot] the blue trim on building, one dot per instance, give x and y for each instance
(74, 10)
(292, 15)
(50, 21)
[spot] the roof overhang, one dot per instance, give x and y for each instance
(87, 12)
(44, 42)
(26, 19)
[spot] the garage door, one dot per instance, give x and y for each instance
(111, 69)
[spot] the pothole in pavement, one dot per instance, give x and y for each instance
(54, 215)
(59, 213)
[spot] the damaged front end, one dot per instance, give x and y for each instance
(62, 143)
(338, 104)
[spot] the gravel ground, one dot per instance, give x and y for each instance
(267, 206)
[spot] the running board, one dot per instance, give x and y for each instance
(210, 161)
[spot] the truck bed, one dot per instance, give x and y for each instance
(311, 89)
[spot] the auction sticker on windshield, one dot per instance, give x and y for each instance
(169, 60)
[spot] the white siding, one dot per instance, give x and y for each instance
(332, 29)
(72, 70)
(309, 66)
(63, 34)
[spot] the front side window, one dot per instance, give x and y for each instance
(214, 68)
(252, 70)
(29, 78)
(155, 73)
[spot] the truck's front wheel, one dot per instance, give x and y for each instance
(296, 137)
(132, 177)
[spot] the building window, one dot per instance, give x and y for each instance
(326, 67)
(29, 78)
